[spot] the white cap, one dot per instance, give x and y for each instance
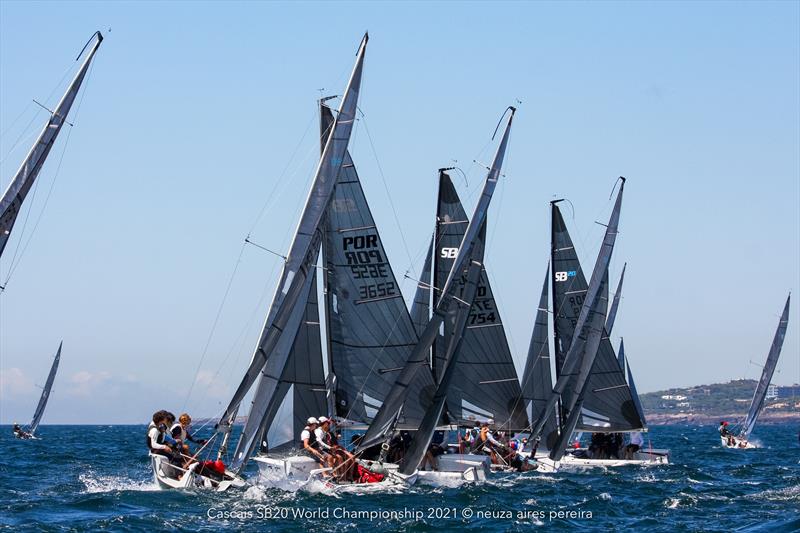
(323, 419)
(312, 420)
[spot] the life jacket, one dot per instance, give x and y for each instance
(182, 435)
(312, 438)
(159, 440)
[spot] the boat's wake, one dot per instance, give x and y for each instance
(95, 483)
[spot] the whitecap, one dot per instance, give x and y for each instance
(96, 483)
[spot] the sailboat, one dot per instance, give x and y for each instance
(290, 319)
(741, 440)
(457, 295)
(485, 387)
(369, 333)
(30, 433)
(14, 195)
(591, 393)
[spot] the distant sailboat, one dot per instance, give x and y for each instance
(741, 440)
(11, 201)
(30, 433)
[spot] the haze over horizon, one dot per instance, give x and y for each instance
(199, 126)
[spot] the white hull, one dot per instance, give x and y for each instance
(737, 443)
(569, 461)
(303, 469)
(168, 476)
(300, 468)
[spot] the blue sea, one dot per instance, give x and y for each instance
(80, 478)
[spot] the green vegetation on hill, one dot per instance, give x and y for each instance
(717, 399)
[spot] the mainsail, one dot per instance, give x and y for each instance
(11, 201)
(537, 382)
(370, 331)
(485, 385)
(37, 415)
(283, 319)
(769, 369)
(386, 417)
(608, 404)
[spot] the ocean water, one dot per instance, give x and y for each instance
(98, 478)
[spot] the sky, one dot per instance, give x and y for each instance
(198, 127)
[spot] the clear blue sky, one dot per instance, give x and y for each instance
(197, 115)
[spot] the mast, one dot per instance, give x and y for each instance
(283, 320)
(582, 350)
(386, 417)
(37, 415)
(769, 369)
(11, 201)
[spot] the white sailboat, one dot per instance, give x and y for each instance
(741, 440)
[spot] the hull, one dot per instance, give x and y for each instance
(169, 476)
(572, 461)
(736, 443)
(276, 471)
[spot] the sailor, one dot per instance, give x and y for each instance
(486, 443)
(309, 440)
(723, 429)
(635, 443)
(20, 433)
(180, 431)
(155, 435)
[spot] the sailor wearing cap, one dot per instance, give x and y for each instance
(309, 439)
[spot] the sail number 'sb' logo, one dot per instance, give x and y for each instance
(562, 276)
(449, 253)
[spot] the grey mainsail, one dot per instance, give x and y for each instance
(283, 321)
(370, 331)
(485, 384)
(37, 415)
(766, 375)
(385, 419)
(11, 201)
(608, 403)
(537, 381)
